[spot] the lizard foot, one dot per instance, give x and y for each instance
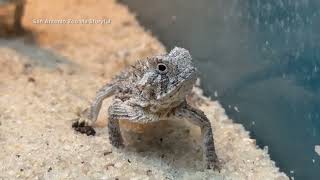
(215, 165)
(83, 128)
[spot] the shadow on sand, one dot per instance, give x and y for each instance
(26, 46)
(174, 144)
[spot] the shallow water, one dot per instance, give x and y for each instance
(261, 60)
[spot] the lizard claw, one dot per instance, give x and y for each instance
(215, 165)
(83, 127)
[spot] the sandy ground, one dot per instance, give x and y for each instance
(47, 77)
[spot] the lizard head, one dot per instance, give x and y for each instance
(170, 77)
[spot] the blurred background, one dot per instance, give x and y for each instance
(261, 60)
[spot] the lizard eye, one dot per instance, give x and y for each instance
(162, 68)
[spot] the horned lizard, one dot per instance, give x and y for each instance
(152, 90)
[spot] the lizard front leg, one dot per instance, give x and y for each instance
(115, 136)
(198, 118)
(89, 116)
(120, 111)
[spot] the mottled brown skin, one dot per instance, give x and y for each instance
(152, 90)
